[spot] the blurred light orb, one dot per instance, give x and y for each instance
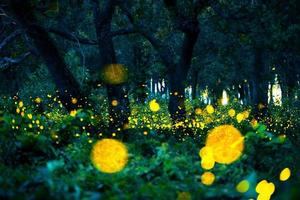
(115, 74)
(109, 155)
(207, 178)
(210, 109)
(239, 117)
(74, 100)
(154, 106)
(285, 174)
(226, 142)
(114, 102)
(207, 162)
(231, 112)
(243, 186)
(198, 111)
(265, 190)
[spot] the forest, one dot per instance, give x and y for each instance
(150, 99)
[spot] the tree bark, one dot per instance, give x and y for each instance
(66, 84)
(260, 85)
(102, 19)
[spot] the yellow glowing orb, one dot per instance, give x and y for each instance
(115, 74)
(231, 113)
(265, 190)
(109, 155)
(198, 111)
(38, 100)
(207, 178)
(226, 142)
(74, 100)
(154, 106)
(285, 174)
(114, 102)
(240, 117)
(210, 109)
(243, 186)
(207, 162)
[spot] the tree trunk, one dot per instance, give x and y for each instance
(194, 84)
(102, 19)
(66, 84)
(178, 75)
(176, 106)
(260, 85)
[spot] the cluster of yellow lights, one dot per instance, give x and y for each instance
(115, 74)
(109, 155)
(224, 144)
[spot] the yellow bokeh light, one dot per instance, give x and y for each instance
(198, 111)
(38, 100)
(74, 100)
(239, 117)
(109, 155)
(265, 190)
(154, 106)
(73, 113)
(231, 113)
(115, 74)
(207, 178)
(226, 142)
(114, 102)
(207, 162)
(243, 186)
(210, 109)
(285, 174)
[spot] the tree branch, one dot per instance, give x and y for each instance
(7, 62)
(10, 38)
(124, 31)
(72, 37)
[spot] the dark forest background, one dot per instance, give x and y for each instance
(55, 54)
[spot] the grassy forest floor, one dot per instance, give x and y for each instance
(45, 153)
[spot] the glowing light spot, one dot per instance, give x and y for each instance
(226, 142)
(115, 74)
(74, 100)
(240, 117)
(29, 116)
(225, 98)
(198, 111)
(231, 113)
(285, 174)
(207, 178)
(243, 186)
(154, 106)
(265, 190)
(114, 102)
(184, 196)
(109, 155)
(207, 162)
(20, 104)
(210, 109)
(145, 133)
(73, 113)
(254, 123)
(38, 100)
